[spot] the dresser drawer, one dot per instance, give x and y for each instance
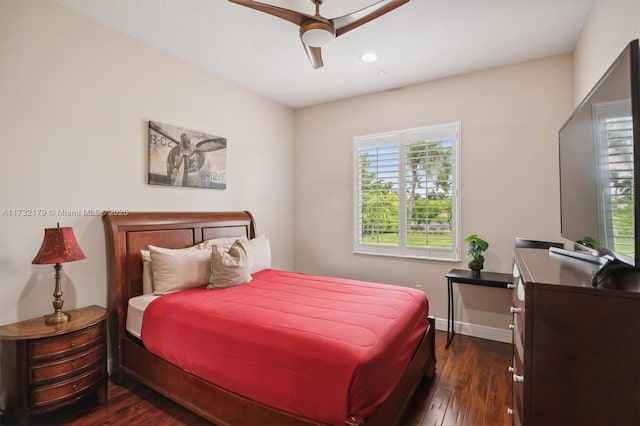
(518, 309)
(58, 346)
(518, 346)
(517, 394)
(63, 367)
(60, 392)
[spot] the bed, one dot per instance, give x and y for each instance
(126, 236)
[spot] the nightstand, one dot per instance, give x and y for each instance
(46, 367)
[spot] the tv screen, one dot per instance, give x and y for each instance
(599, 161)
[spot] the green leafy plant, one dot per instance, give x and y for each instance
(476, 246)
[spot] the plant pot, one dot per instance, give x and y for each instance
(476, 267)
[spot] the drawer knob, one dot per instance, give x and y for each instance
(74, 365)
(511, 286)
(512, 327)
(512, 370)
(73, 343)
(74, 387)
(518, 379)
(510, 411)
(515, 310)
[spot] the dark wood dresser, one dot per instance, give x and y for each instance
(576, 348)
(45, 367)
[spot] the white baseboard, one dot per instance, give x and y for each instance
(474, 330)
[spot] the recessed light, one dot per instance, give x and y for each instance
(369, 57)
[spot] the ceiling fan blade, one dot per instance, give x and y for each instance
(315, 56)
(288, 15)
(345, 23)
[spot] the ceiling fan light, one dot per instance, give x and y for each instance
(317, 34)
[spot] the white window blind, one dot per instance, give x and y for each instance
(406, 193)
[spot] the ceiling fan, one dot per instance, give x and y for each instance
(315, 30)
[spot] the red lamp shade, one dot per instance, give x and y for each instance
(59, 246)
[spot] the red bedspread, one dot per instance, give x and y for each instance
(322, 348)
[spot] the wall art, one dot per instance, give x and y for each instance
(187, 158)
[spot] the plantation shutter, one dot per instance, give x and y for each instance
(428, 183)
(378, 196)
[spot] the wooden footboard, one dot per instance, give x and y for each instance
(126, 235)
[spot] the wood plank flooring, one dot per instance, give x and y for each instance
(471, 387)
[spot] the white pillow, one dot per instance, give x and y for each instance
(259, 253)
(147, 272)
(179, 269)
(229, 267)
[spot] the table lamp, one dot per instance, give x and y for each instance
(59, 246)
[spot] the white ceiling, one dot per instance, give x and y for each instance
(419, 41)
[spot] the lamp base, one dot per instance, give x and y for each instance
(57, 317)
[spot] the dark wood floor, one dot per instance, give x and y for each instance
(471, 387)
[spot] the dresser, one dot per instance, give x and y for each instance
(576, 348)
(45, 367)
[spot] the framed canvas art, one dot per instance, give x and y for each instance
(188, 158)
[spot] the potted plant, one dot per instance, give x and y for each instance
(476, 246)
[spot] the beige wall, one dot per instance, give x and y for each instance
(75, 99)
(610, 26)
(510, 117)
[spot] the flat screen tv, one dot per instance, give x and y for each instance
(599, 164)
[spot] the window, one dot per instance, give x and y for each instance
(406, 193)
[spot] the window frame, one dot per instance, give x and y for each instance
(402, 138)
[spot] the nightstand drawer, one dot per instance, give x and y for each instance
(65, 344)
(59, 392)
(66, 366)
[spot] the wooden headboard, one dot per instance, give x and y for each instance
(127, 234)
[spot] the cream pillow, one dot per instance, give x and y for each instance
(179, 269)
(229, 267)
(147, 270)
(259, 253)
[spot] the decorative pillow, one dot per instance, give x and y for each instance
(225, 242)
(229, 267)
(179, 269)
(259, 253)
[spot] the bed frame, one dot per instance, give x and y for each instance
(126, 235)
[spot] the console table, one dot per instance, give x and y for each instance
(466, 276)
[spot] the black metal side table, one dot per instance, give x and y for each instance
(466, 276)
